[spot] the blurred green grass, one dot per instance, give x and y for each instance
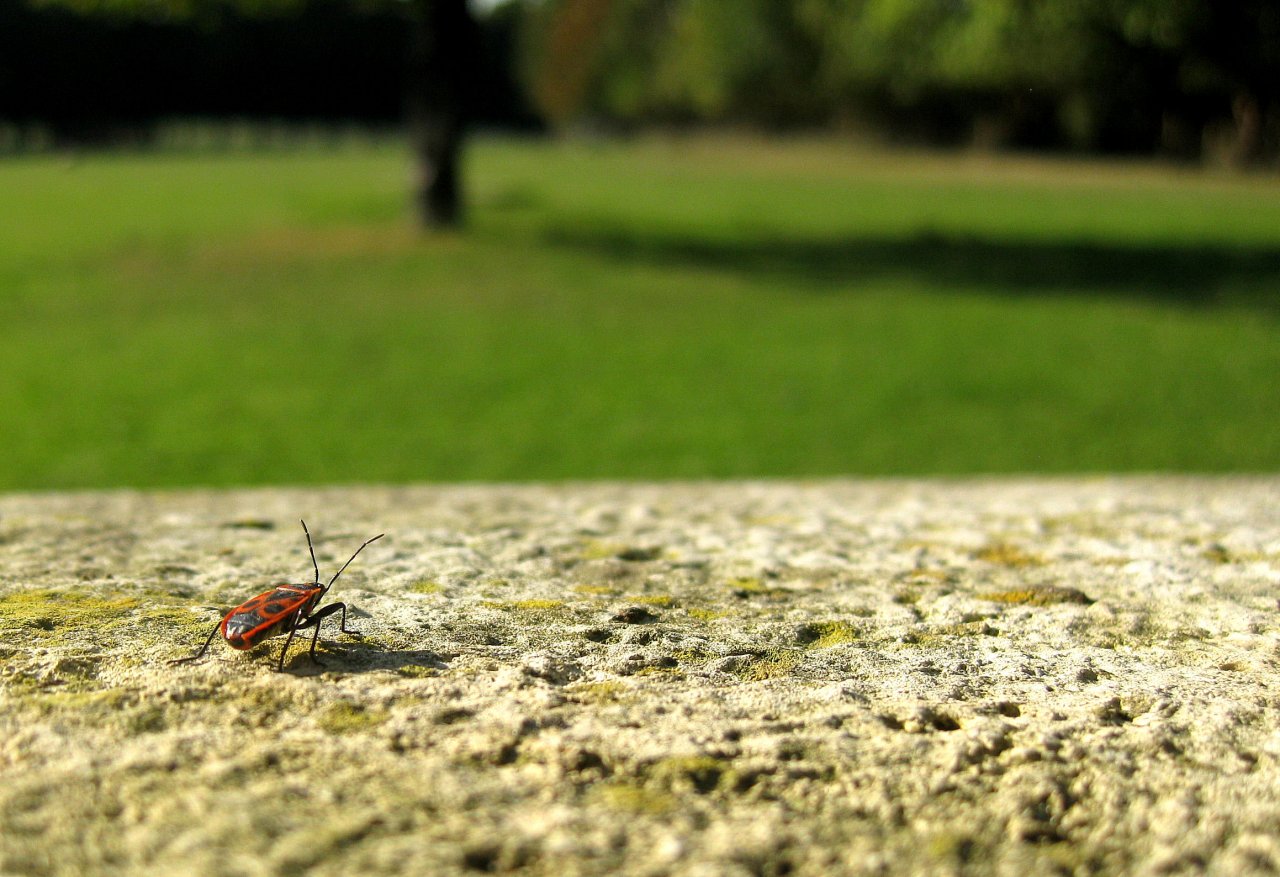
(663, 309)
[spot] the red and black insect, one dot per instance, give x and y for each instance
(284, 609)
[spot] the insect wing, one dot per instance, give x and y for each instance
(269, 614)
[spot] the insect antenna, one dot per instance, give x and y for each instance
(313, 553)
(347, 564)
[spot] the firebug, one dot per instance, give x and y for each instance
(286, 608)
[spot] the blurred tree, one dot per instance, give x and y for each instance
(1117, 75)
(673, 61)
(566, 47)
(1185, 77)
(442, 75)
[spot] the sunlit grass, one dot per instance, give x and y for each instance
(649, 311)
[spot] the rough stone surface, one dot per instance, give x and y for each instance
(1008, 677)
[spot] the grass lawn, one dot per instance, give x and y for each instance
(679, 309)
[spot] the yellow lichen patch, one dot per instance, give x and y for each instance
(692, 773)
(691, 656)
(174, 619)
(81, 702)
(1217, 553)
(926, 575)
(824, 634)
(944, 634)
(750, 586)
(672, 671)
(654, 600)
(1004, 554)
(46, 613)
(914, 545)
(347, 718)
(267, 702)
(632, 798)
(769, 666)
(907, 596)
(1041, 595)
(596, 590)
(707, 614)
(536, 605)
(523, 605)
(250, 523)
(425, 586)
(600, 550)
(606, 691)
(952, 848)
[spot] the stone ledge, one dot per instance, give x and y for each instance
(844, 677)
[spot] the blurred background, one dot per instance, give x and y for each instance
(314, 241)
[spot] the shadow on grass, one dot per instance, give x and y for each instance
(1190, 275)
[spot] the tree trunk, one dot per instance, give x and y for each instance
(445, 57)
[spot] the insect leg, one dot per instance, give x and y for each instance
(293, 628)
(204, 648)
(314, 619)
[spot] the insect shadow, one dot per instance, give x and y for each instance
(359, 656)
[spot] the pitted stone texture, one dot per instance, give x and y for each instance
(908, 677)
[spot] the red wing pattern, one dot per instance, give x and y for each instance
(269, 614)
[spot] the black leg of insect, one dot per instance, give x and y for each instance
(204, 648)
(314, 621)
(285, 609)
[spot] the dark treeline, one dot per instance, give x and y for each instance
(1186, 78)
(70, 78)
(90, 78)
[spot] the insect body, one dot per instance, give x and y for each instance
(285, 609)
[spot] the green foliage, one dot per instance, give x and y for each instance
(709, 309)
(1077, 67)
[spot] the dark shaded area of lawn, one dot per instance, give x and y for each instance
(1191, 275)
